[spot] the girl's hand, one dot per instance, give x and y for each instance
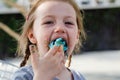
(50, 65)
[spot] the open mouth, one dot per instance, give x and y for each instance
(58, 42)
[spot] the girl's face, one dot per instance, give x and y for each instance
(54, 19)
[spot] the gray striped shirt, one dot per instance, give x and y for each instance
(26, 73)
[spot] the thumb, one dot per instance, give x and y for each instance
(34, 56)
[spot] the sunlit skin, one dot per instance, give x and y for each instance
(53, 19)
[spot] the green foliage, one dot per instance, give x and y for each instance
(103, 29)
(8, 44)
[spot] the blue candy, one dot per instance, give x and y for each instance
(58, 42)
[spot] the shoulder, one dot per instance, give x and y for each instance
(77, 75)
(24, 73)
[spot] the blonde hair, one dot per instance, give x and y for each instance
(23, 44)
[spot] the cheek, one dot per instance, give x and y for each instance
(42, 45)
(74, 36)
(42, 42)
(42, 35)
(73, 40)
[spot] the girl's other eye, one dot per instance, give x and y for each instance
(69, 23)
(49, 22)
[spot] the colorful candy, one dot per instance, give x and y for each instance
(58, 42)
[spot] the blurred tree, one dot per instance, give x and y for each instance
(8, 44)
(9, 31)
(103, 29)
(6, 28)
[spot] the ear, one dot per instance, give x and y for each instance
(31, 36)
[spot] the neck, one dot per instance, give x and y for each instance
(65, 75)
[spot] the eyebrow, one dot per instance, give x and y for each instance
(52, 16)
(69, 17)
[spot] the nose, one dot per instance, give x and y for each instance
(59, 29)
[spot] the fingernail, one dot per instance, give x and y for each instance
(60, 48)
(32, 49)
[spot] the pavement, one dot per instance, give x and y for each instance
(100, 65)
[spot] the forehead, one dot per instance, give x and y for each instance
(51, 7)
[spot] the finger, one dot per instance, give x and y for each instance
(34, 56)
(53, 50)
(60, 54)
(61, 50)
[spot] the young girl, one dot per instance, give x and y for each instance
(47, 21)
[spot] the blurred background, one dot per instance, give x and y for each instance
(99, 58)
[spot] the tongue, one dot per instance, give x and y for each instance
(58, 42)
